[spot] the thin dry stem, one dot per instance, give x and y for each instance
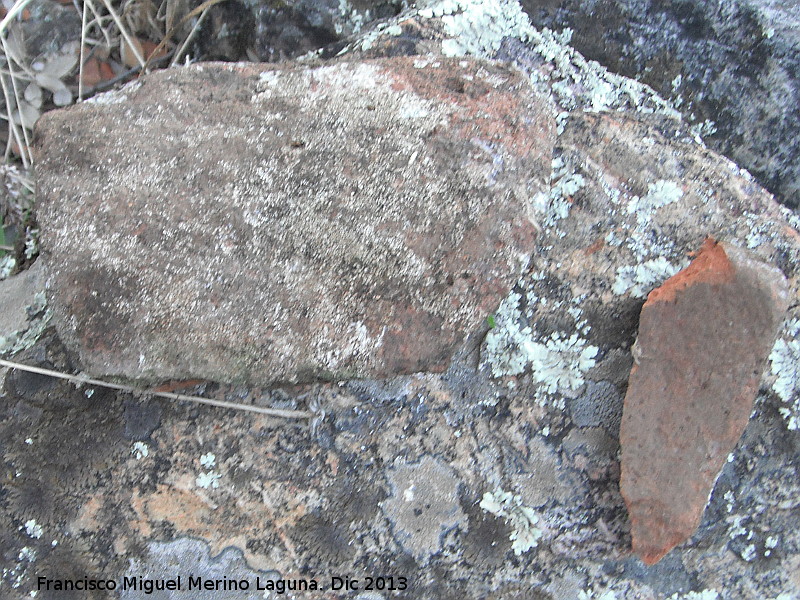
(124, 33)
(18, 7)
(24, 149)
(84, 26)
(188, 39)
(194, 12)
(99, 20)
(12, 126)
(79, 379)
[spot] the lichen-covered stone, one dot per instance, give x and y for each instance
(261, 224)
(731, 68)
(704, 336)
(423, 506)
(630, 195)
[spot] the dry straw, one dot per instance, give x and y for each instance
(81, 380)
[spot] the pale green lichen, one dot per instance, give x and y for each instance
(641, 279)
(7, 264)
(350, 19)
(38, 305)
(208, 480)
(31, 242)
(659, 194)
(504, 341)
(564, 184)
(390, 29)
(478, 28)
(140, 450)
(590, 595)
(557, 361)
(703, 595)
(522, 519)
(39, 316)
(785, 366)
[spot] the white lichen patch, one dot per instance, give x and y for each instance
(785, 366)
(641, 279)
(7, 265)
(593, 595)
(208, 480)
(748, 553)
(769, 545)
(659, 194)
(704, 595)
(33, 529)
(564, 184)
(115, 96)
(39, 316)
(557, 361)
(18, 573)
(522, 519)
(208, 460)
(140, 450)
(760, 231)
(478, 28)
(702, 130)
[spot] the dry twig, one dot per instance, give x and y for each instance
(81, 380)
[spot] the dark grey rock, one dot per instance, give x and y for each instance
(736, 64)
(599, 406)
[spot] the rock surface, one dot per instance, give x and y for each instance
(733, 64)
(17, 294)
(498, 478)
(261, 224)
(704, 336)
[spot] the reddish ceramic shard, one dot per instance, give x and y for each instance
(703, 339)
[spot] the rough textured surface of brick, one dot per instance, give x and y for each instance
(704, 336)
(260, 223)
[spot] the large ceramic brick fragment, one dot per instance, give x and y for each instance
(704, 337)
(260, 224)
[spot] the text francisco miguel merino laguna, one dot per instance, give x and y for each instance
(179, 584)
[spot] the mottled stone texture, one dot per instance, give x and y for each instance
(734, 63)
(703, 338)
(252, 223)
